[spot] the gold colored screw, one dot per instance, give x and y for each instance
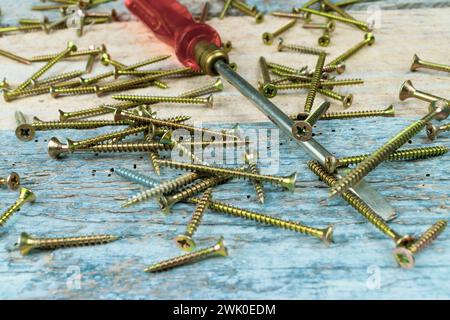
(218, 249)
(10, 95)
(12, 181)
(369, 40)
(438, 109)
(185, 241)
(266, 87)
(310, 3)
(244, 8)
(330, 26)
(303, 129)
(388, 112)
(361, 206)
(80, 53)
(20, 28)
(360, 24)
(346, 100)
(325, 39)
(94, 111)
(405, 255)
(332, 163)
(252, 166)
(283, 68)
(44, 21)
(289, 15)
(225, 8)
(71, 47)
(409, 91)
(208, 102)
(106, 61)
(326, 235)
(340, 11)
(287, 182)
(315, 82)
(58, 92)
(14, 57)
(268, 37)
(25, 195)
(322, 83)
(153, 156)
(166, 202)
(297, 48)
(27, 243)
(217, 86)
(74, 145)
(433, 131)
(163, 188)
(58, 78)
(417, 63)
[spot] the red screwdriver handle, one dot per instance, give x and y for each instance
(173, 23)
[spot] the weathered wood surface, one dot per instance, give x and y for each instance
(79, 195)
(384, 66)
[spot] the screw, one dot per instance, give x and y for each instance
(57, 78)
(322, 83)
(438, 109)
(244, 8)
(332, 163)
(289, 15)
(329, 26)
(297, 48)
(287, 182)
(27, 243)
(360, 24)
(44, 21)
(71, 47)
(405, 255)
(10, 95)
(409, 91)
(20, 28)
(153, 156)
(360, 206)
(325, 39)
(208, 102)
(58, 92)
(24, 131)
(433, 131)
(340, 11)
(185, 241)
(417, 63)
(14, 57)
(44, 58)
(25, 195)
(326, 235)
(226, 6)
(315, 82)
(388, 112)
(163, 188)
(204, 13)
(166, 202)
(136, 177)
(346, 100)
(282, 68)
(303, 130)
(106, 61)
(259, 187)
(218, 249)
(95, 111)
(12, 181)
(112, 16)
(269, 37)
(369, 40)
(266, 87)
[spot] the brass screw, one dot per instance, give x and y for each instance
(360, 206)
(433, 131)
(409, 91)
(405, 255)
(166, 202)
(106, 61)
(369, 40)
(14, 57)
(44, 58)
(438, 109)
(20, 28)
(58, 78)
(153, 156)
(346, 100)
(74, 145)
(287, 182)
(259, 187)
(243, 7)
(297, 48)
(10, 95)
(360, 24)
(388, 112)
(94, 111)
(266, 87)
(303, 129)
(332, 163)
(24, 130)
(27, 243)
(340, 11)
(325, 39)
(12, 181)
(326, 235)
(163, 188)
(71, 47)
(339, 68)
(315, 82)
(283, 68)
(58, 92)
(269, 37)
(322, 83)
(185, 241)
(289, 15)
(225, 8)
(218, 249)
(330, 26)
(208, 102)
(25, 195)
(417, 63)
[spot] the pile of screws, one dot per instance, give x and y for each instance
(156, 136)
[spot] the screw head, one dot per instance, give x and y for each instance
(164, 204)
(302, 130)
(105, 59)
(220, 248)
(269, 90)
(331, 26)
(432, 131)
(280, 44)
(289, 182)
(267, 38)
(118, 116)
(25, 243)
(27, 195)
(331, 164)
(348, 101)
(55, 148)
(324, 40)
(259, 17)
(407, 90)
(442, 109)
(71, 46)
(370, 38)
(210, 101)
(13, 181)
(185, 243)
(218, 85)
(390, 111)
(404, 257)
(25, 132)
(340, 68)
(328, 235)
(415, 63)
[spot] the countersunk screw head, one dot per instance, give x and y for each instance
(289, 181)
(259, 17)
(267, 38)
(330, 26)
(370, 38)
(324, 40)
(347, 101)
(269, 90)
(210, 101)
(56, 149)
(13, 181)
(25, 132)
(71, 46)
(27, 195)
(416, 63)
(442, 108)
(164, 204)
(218, 84)
(328, 234)
(26, 243)
(407, 90)
(340, 68)
(105, 59)
(404, 257)
(220, 247)
(185, 243)
(302, 130)
(118, 116)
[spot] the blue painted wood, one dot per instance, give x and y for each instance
(80, 195)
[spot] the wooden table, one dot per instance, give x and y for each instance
(80, 194)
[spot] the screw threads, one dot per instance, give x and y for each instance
(287, 182)
(360, 24)
(215, 87)
(198, 213)
(128, 147)
(324, 234)
(355, 202)
(218, 249)
(136, 177)
(388, 112)
(13, 95)
(368, 40)
(156, 99)
(315, 82)
(282, 68)
(53, 243)
(57, 92)
(428, 236)
(268, 37)
(58, 78)
(163, 188)
(154, 156)
(95, 111)
(87, 124)
(298, 48)
(259, 188)
(380, 155)
(25, 195)
(79, 53)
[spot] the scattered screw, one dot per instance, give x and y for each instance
(303, 129)
(266, 87)
(208, 102)
(12, 181)
(433, 131)
(315, 82)
(269, 37)
(136, 177)
(346, 100)
(329, 26)
(409, 91)
(417, 64)
(369, 40)
(25, 195)
(360, 24)
(297, 48)
(14, 57)
(388, 112)
(226, 6)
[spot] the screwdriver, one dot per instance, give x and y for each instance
(198, 46)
